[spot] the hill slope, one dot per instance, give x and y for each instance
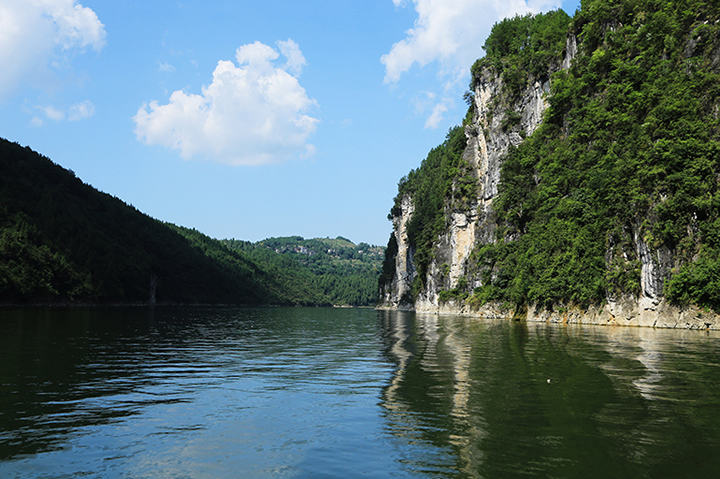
(339, 271)
(62, 241)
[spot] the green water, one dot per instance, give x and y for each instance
(313, 393)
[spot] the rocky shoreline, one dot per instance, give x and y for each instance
(632, 313)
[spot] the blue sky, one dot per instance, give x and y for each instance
(244, 119)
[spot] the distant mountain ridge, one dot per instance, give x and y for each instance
(64, 242)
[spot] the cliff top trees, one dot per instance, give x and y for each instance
(524, 46)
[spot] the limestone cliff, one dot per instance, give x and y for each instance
(501, 118)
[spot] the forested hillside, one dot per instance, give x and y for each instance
(62, 241)
(337, 270)
(612, 194)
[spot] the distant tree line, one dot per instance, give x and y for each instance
(341, 272)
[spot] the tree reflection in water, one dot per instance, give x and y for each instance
(479, 398)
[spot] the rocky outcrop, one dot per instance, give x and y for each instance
(501, 119)
(396, 294)
(570, 52)
(631, 312)
(656, 266)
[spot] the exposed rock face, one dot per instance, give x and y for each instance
(395, 294)
(655, 268)
(570, 51)
(631, 312)
(488, 139)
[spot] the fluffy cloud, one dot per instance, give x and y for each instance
(451, 33)
(35, 34)
(252, 113)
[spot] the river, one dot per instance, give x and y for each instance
(200, 392)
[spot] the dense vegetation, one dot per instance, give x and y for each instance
(334, 271)
(62, 241)
(523, 47)
(629, 146)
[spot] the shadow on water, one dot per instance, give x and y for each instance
(493, 399)
(65, 369)
(75, 369)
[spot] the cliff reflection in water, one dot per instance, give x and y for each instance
(473, 398)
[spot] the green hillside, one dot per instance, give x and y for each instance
(339, 271)
(630, 143)
(62, 241)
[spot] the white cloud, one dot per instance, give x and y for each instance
(436, 116)
(252, 113)
(76, 112)
(166, 67)
(37, 34)
(81, 110)
(450, 33)
(295, 58)
(52, 113)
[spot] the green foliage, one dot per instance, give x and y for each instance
(698, 282)
(629, 148)
(457, 293)
(523, 47)
(29, 269)
(319, 271)
(63, 241)
(630, 138)
(388, 267)
(445, 269)
(512, 118)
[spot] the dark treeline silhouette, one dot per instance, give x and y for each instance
(62, 241)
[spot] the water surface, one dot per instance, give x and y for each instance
(286, 392)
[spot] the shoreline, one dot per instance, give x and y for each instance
(624, 313)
